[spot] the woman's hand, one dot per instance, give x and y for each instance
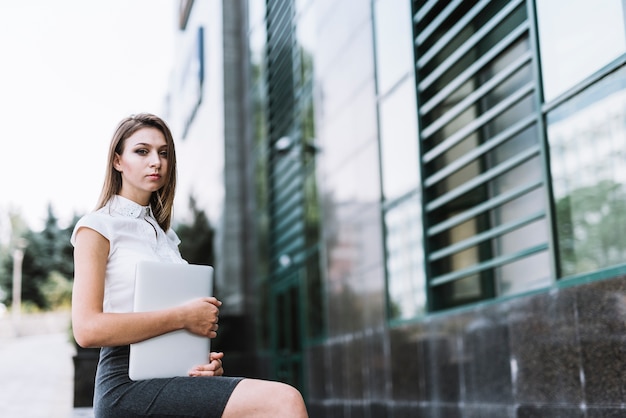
(200, 316)
(213, 368)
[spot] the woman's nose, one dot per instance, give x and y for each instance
(155, 159)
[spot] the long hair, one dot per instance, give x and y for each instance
(162, 200)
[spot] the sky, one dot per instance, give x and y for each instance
(71, 70)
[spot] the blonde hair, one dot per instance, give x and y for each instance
(162, 200)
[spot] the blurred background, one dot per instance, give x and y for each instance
(71, 70)
(414, 207)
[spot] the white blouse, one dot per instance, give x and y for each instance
(134, 235)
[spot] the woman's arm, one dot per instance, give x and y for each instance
(94, 328)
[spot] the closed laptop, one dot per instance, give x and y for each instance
(161, 286)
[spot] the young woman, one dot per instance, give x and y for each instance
(132, 223)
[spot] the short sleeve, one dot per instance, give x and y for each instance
(173, 237)
(96, 221)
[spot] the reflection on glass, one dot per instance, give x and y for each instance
(356, 179)
(587, 138)
(576, 39)
(305, 38)
(348, 74)
(524, 275)
(338, 23)
(348, 127)
(314, 298)
(398, 139)
(394, 46)
(405, 263)
(257, 48)
(483, 170)
(258, 95)
(486, 45)
(351, 240)
(256, 13)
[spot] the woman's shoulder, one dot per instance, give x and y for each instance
(100, 221)
(99, 215)
(173, 237)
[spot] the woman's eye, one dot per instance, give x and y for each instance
(163, 154)
(142, 151)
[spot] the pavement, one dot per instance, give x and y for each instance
(36, 367)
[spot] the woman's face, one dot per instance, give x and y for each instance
(142, 165)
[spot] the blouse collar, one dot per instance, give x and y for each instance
(126, 207)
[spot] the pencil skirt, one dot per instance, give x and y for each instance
(116, 395)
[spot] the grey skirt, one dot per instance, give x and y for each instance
(118, 396)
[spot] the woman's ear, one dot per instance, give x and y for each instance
(116, 162)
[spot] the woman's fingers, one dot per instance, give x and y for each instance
(214, 368)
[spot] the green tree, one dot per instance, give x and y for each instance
(47, 267)
(196, 237)
(590, 224)
(19, 229)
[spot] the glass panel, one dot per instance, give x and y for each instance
(442, 30)
(587, 138)
(500, 92)
(295, 344)
(258, 89)
(302, 5)
(257, 49)
(528, 204)
(577, 39)
(259, 99)
(481, 153)
(338, 24)
(516, 210)
(367, 174)
(256, 13)
(314, 298)
(522, 238)
(405, 262)
(526, 173)
(466, 290)
(352, 214)
(394, 46)
(464, 258)
(265, 311)
(343, 131)
(305, 37)
(523, 275)
(513, 20)
(282, 315)
(357, 179)
(518, 143)
(398, 138)
(348, 74)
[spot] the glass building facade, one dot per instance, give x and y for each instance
(419, 203)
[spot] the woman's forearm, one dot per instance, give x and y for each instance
(94, 328)
(101, 329)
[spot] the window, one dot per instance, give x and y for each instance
(398, 132)
(587, 136)
(404, 259)
(404, 255)
(394, 49)
(402, 209)
(576, 40)
(484, 198)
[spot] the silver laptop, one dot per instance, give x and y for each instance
(160, 286)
